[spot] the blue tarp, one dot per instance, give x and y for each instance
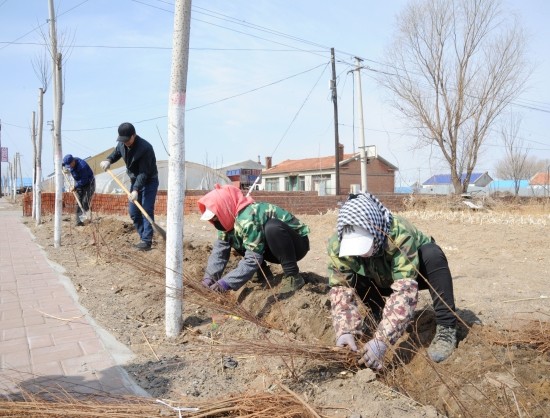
(24, 182)
(404, 189)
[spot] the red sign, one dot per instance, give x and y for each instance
(4, 158)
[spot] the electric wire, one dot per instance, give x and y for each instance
(299, 110)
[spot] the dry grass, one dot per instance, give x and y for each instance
(479, 218)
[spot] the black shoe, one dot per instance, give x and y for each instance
(143, 246)
(79, 224)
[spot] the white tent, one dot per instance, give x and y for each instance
(197, 177)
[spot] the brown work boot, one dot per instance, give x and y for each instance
(291, 284)
(443, 343)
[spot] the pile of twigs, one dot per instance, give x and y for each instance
(536, 334)
(289, 349)
(69, 407)
(224, 303)
(284, 403)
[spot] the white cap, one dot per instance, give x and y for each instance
(356, 242)
(207, 215)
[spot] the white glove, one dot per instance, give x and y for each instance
(64, 169)
(346, 340)
(105, 165)
(133, 196)
(373, 354)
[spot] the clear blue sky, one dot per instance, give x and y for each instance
(258, 82)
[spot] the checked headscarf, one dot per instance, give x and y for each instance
(366, 211)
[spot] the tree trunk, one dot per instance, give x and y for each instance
(33, 140)
(176, 168)
(38, 184)
(58, 153)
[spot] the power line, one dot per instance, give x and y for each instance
(300, 109)
(223, 17)
(164, 47)
(211, 103)
(45, 23)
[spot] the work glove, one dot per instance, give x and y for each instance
(133, 196)
(64, 169)
(207, 282)
(373, 354)
(105, 165)
(220, 286)
(346, 340)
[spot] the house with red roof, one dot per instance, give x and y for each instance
(541, 181)
(319, 174)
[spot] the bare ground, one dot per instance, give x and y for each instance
(499, 261)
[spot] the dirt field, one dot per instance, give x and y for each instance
(499, 260)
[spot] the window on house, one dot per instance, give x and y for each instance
(323, 180)
(272, 185)
(295, 183)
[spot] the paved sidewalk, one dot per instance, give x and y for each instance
(47, 340)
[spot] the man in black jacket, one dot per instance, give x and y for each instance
(141, 166)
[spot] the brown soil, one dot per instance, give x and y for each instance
(500, 268)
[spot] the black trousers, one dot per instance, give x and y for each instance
(435, 275)
(84, 194)
(284, 246)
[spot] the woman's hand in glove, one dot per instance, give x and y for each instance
(373, 354)
(207, 282)
(346, 340)
(220, 286)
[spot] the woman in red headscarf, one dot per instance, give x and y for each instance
(258, 231)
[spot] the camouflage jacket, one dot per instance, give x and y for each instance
(248, 238)
(248, 232)
(395, 265)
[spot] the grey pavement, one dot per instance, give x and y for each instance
(48, 342)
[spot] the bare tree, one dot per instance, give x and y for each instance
(42, 71)
(57, 69)
(516, 163)
(531, 166)
(456, 65)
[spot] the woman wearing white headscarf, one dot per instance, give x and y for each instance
(385, 260)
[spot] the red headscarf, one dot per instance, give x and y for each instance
(226, 202)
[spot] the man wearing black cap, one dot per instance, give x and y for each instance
(141, 166)
(84, 182)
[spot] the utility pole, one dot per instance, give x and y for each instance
(361, 127)
(10, 186)
(1, 159)
(336, 138)
(14, 175)
(20, 172)
(33, 140)
(176, 168)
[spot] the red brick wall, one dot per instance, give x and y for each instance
(380, 179)
(295, 202)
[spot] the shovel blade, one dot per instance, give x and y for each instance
(85, 216)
